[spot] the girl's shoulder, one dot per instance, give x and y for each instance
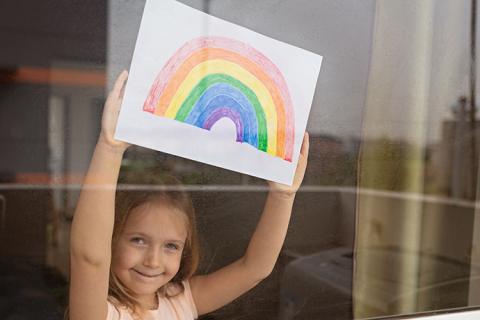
(178, 299)
(116, 312)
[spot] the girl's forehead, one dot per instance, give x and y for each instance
(157, 218)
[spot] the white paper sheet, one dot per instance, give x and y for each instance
(209, 90)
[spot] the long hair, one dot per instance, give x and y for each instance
(172, 194)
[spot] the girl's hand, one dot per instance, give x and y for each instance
(286, 190)
(110, 114)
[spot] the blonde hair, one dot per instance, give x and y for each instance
(172, 195)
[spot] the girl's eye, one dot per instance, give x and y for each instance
(172, 246)
(138, 240)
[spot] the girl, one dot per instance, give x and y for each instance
(138, 262)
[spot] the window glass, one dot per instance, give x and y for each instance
(386, 221)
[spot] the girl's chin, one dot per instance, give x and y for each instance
(146, 287)
(142, 290)
(141, 285)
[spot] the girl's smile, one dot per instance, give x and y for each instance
(147, 275)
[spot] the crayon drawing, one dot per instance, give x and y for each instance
(210, 78)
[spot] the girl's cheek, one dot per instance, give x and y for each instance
(125, 256)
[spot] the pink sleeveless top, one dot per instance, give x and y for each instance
(179, 307)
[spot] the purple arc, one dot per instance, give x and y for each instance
(226, 113)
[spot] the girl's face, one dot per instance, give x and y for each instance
(149, 249)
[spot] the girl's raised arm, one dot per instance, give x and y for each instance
(213, 291)
(92, 226)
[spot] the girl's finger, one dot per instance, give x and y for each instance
(305, 144)
(117, 87)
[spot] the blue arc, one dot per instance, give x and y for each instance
(220, 96)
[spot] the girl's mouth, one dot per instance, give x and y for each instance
(147, 275)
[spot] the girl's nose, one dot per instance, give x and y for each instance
(153, 258)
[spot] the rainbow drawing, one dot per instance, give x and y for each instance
(210, 78)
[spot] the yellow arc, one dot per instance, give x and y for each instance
(222, 66)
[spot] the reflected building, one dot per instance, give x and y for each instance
(451, 159)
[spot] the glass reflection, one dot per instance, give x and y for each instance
(387, 221)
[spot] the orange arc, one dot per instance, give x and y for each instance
(217, 53)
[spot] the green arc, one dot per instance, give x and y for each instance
(191, 102)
